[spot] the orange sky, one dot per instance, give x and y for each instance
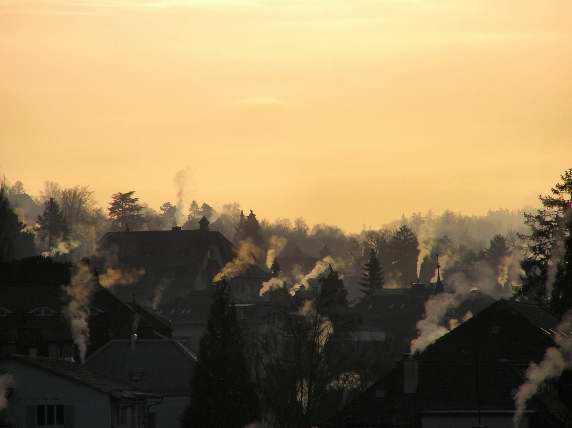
(347, 112)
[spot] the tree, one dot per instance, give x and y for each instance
(249, 228)
(372, 276)
(15, 241)
(404, 248)
(547, 228)
(76, 203)
(168, 214)
(561, 298)
(222, 393)
(51, 223)
(125, 211)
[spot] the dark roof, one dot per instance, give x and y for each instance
(167, 247)
(498, 343)
(160, 366)
(81, 374)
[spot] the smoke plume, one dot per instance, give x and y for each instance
(159, 291)
(272, 284)
(276, 245)
(113, 277)
(556, 360)
(62, 248)
(246, 256)
(181, 183)
(6, 381)
(319, 268)
(79, 293)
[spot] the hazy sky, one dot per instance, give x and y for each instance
(342, 111)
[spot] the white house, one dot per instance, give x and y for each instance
(60, 394)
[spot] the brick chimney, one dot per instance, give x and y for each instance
(176, 228)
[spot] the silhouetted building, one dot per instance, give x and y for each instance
(52, 393)
(32, 321)
(468, 377)
(162, 367)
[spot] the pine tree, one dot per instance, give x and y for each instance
(222, 393)
(372, 276)
(125, 210)
(15, 242)
(52, 223)
(405, 249)
(561, 299)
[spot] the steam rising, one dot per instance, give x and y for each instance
(276, 245)
(6, 381)
(482, 278)
(319, 268)
(159, 291)
(556, 360)
(80, 292)
(62, 248)
(113, 277)
(271, 284)
(181, 183)
(246, 256)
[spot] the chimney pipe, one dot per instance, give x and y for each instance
(410, 374)
(133, 341)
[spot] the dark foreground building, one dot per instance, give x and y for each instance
(468, 378)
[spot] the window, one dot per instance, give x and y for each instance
(50, 415)
(43, 311)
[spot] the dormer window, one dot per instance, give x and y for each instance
(43, 311)
(4, 312)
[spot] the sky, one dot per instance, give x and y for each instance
(348, 112)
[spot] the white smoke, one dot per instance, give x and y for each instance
(275, 283)
(181, 184)
(276, 245)
(159, 291)
(303, 280)
(482, 278)
(556, 360)
(6, 382)
(113, 277)
(80, 292)
(61, 248)
(246, 256)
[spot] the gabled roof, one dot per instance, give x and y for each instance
(80, 374)
(491, 350)
(162, 366)
(167, 247)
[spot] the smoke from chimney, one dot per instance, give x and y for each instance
(113, 277)
(555, 361)
(276, 245)
(80, 292)
(246, 256)
(181, 183)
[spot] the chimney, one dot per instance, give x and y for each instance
(204, 224)
(176, 228)
(133, 341)
(410, 374)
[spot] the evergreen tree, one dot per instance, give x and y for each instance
(222, 393)
(168, 214)
(125, 211)
(547, 228)
(372, 276)
(561, 299)
(15, 242)
(51, 223)
(404, 247)
(249, 228)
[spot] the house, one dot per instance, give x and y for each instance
(174, 263)
(159, 366)
(60, 394)
(468, 377)
(32, 320)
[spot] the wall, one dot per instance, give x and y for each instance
(169, 411)
(34, 386)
